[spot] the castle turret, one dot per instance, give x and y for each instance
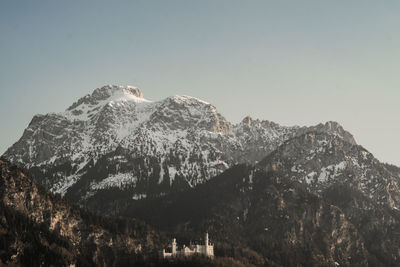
(208, 247)
(206, 243)
(173, 247)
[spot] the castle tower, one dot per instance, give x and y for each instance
(173, 247)
(206, 243)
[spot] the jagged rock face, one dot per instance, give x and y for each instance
(320, 160)
(259, 138)
(115, 138)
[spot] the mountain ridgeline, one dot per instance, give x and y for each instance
(269, 195)
(116, 139)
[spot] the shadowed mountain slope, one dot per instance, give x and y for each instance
(37, 227)
(344, 212)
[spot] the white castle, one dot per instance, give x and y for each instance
(207, 249)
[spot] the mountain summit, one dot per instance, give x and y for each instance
(115, 139)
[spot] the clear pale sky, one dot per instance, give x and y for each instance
(292, 62)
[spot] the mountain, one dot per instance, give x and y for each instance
(39, 229)
(321, 161)
(116, 140)
(267, 194)
(317, 200)
(349, 177)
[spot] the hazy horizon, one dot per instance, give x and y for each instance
(289, 62)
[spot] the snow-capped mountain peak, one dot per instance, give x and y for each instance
(109, 95)
(114, 137)
(117, 90)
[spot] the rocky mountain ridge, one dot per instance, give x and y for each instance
(321, 160)
(115, 138)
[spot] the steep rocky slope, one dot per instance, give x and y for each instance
(321, 160)
(116, 139)
(348, 176)
(38, 229)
